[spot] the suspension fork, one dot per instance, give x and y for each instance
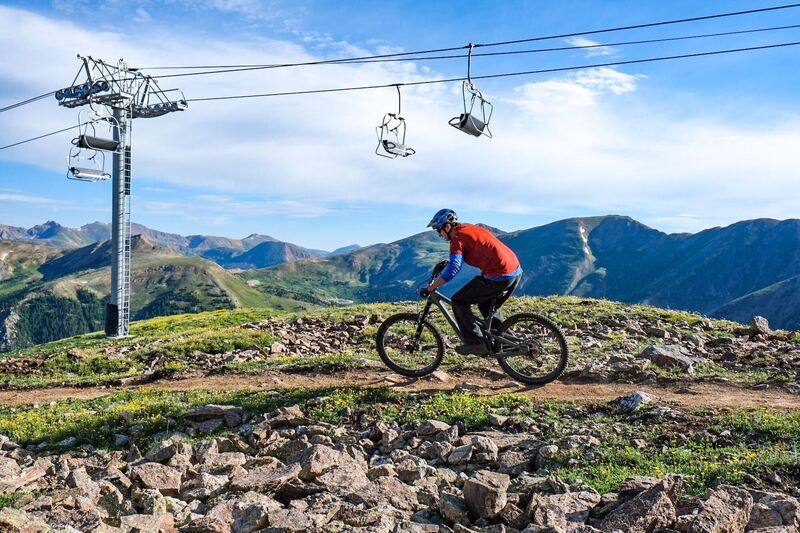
(420, 322)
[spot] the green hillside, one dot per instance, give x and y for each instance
(51, 294)
(383, 272)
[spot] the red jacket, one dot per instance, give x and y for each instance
(481, 249)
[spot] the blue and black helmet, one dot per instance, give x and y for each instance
(442, 217)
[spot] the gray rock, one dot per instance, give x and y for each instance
(669, 356)
(386, 490)
(452, 507)
(163, 478)
(633, 402)
(265, 478)
(649, 511)
(726, 509)
(289, 521)
(760, 325)
(79, 479)
(230, 414)
(460, 455)
(203, 486)
(431, 427)
(381, 471)
(278, 348)
(150, 501)
(782, 510)
(148, 522)
(112, 500)
(633, 486)
(484, 449)
(515, 463)
(161, 451)
(561, 511)
(9, 468)
(485, 493)
(334, 469)
(412, 469)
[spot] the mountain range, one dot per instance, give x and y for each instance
(747, 268)
(53, 279)
(253, 251)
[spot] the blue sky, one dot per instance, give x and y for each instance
(680, 146)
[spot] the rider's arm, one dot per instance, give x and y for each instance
(449, 272)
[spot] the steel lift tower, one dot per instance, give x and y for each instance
(115, 95)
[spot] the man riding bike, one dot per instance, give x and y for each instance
(499, 266)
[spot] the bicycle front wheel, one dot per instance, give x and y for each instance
(534, 350)
(410, 346)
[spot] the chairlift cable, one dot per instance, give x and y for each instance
(450, 80)
(579, 47)
(639, 26)
(236, 68)
(500, 75)
(25, 102)
(43, 136)
(387, 58)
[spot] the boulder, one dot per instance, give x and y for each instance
(265, 478)
(669, 356)
(485, 493)
(460, 455)
(760, 325)
(561, 511)
(774, 509)
(452, 507)
(79, 479)
(386, 490)
(206, 416)
(648, 511)
(150, 523)
(203, 486)
(431, 427)
(727, 510)
(163, 478)
(17, 521)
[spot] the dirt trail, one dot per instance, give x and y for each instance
(689, 395)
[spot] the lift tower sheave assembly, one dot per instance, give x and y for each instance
(115, 94)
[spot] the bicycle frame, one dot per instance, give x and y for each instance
(517, 346)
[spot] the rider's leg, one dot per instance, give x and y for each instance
(471, 293)
(485, 306)
(478, 290)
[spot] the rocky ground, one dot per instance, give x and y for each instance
(688, 458)
(618, 346)
(286, 471)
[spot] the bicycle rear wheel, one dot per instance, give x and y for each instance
(539, 354)
(410, 346)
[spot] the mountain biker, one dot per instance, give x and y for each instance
(499, 267)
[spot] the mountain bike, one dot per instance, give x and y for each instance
(530, 348)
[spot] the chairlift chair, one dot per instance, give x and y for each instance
(87, 160)
(392, 135)
(478, 111)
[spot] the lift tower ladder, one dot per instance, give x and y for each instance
(127, 94)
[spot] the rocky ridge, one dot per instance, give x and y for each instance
(283, 471)
(609, 349)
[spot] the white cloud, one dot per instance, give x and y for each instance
(142, 15)
(27, 199)
(585, 141)
(574, 91)
(596, 51)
